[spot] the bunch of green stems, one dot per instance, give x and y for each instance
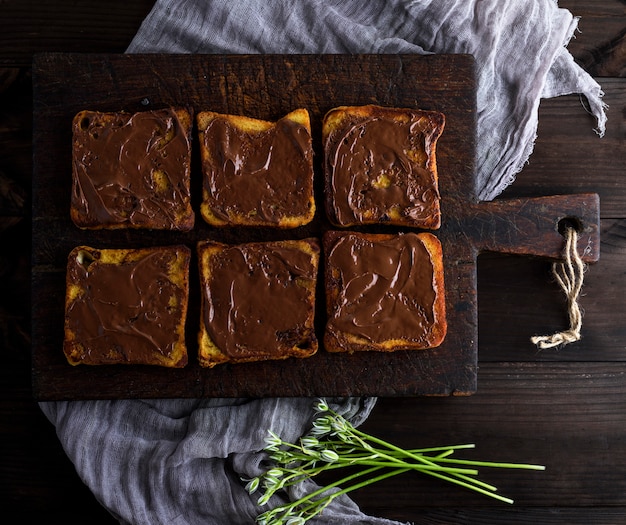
(334, 443)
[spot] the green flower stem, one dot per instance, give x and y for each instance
(362, 483)
(450, 448)
(319, 505)
(321, 490)
(409, 466)
(373, 454)
(388, 445)
(447, 450)
(474, 481)
(441, 458)
(395, 461)
(417, 457)
(473, 486)
(415, 454)
(493, 465)
(354, 459)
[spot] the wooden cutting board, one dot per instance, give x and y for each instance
(267, 87)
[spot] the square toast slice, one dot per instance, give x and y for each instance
(127, 306)
(257, 301)
(380, 166)
(132, 170)
(384, 292)
(256, 172)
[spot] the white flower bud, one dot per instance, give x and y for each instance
(275, 473)
(309, 442)
(264, 498)
(252, 485)
(329, 456)
(273, 441)
(321, 406)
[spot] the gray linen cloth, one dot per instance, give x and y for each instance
(179, 462)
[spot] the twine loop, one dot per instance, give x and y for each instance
(569, 275)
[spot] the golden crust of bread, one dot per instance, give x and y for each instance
(374, 191)
(272, 321)
(253, 125)
(127, 306)
(339, 339)
(155, 196)
(272, 188)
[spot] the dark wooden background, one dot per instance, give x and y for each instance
(564, 408)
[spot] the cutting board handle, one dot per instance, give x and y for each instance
(534, 226)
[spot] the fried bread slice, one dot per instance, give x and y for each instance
(384, 292)
(127, 306)
(380, 166)
(256, 172)
(132, 170)
(257, 301)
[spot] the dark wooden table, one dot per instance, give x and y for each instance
(564, 408)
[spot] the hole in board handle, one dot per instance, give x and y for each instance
(569, 222)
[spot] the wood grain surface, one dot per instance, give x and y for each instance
(564, 407)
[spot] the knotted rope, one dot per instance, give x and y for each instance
(569, 274)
